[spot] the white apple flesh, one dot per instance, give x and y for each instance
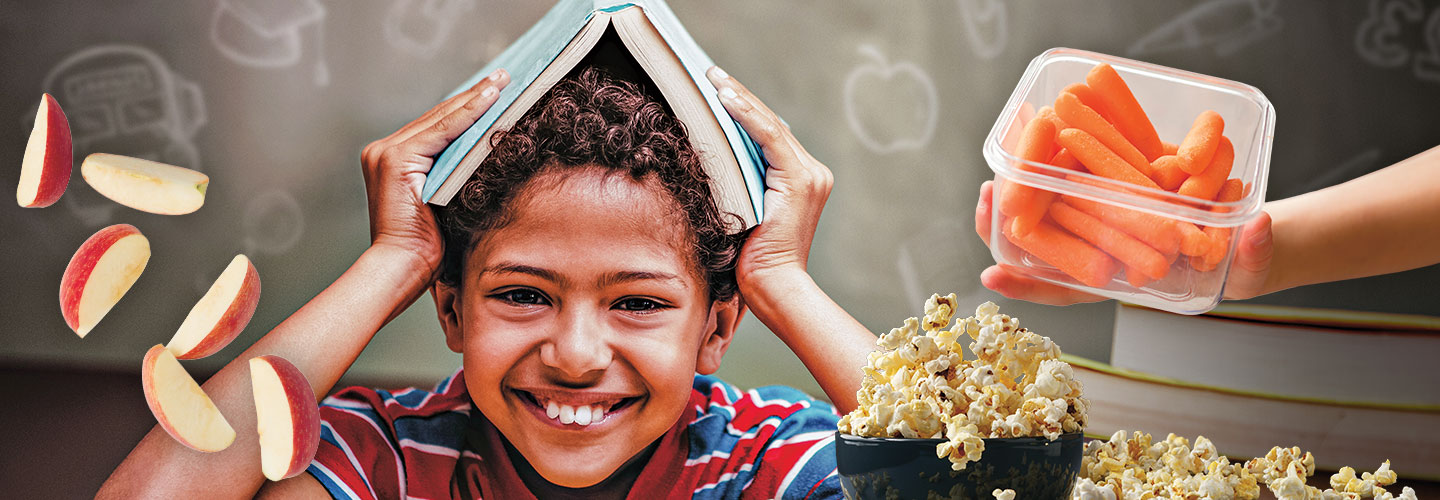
(45, 168)
(145, 185)
(221, 314)
(180, 405)
(99, 274)
(287, 417)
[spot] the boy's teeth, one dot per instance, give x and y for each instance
(579, 415)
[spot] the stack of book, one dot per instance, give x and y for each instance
(1353, 388)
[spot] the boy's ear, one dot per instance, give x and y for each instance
(447, 308)
(720, 330)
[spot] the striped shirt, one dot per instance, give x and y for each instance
(770, 442)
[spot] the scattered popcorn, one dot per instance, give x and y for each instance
(919, 385)
(1003, 494)
(1133, 467)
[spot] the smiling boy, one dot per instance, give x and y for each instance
(591, 285)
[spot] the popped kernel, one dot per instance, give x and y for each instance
(1131, 466)
(920, 383)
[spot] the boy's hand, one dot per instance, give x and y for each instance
(395, 169)
(796, 187)
(1248, 272)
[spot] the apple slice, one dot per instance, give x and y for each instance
(45, 168)
(181, 406)
(145, 185)
(286, 416)
(100, 273)
(221, 314)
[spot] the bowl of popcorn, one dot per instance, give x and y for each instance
(930, 423)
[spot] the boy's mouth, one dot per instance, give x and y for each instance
(579, 410)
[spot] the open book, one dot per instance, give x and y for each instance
(646, 36)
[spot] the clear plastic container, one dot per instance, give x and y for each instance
(1172, 99)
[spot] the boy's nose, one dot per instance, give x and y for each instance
(577, 347)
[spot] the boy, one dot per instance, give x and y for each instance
(589, 281)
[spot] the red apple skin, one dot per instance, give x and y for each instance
(77, 273)
(304, 412)
(147, 367)
(59, 156)
(233, 321)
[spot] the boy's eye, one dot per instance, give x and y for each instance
(522, 296)
(638, 304)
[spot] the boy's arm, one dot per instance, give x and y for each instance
(322, 339)
(771, 268)
(1383, 222)
(325, 336)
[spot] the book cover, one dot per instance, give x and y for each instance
(535, 50)
(1321, 354)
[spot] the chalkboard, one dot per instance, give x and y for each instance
(275, 98)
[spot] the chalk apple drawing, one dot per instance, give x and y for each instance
(982, 17)
(891, 77)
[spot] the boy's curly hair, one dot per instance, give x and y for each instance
(593, 119)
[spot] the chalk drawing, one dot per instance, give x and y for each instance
(269, 33)
(938, 260)
(272, 223)
(421, 27)
(124, 99)
(1226, 26)
(986, 26)
(1358, 165)
(1427, 64)
(890, 107)
(1378, 39)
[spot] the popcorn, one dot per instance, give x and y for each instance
(920, 384)
(1003, 494)
(1132, 467)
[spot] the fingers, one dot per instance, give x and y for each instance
(1016, 286)
(982, 211)
(465, 107)
(479, 96)
(758, 120)
(1251, 268)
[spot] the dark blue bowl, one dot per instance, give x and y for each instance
(1036, 468)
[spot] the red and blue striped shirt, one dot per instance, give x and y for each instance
(770, 442)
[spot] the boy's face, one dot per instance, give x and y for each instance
(587, 300)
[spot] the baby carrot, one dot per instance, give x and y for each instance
(1219, 245)
(1087, 96)
(1206, 184)
(1123, 247)
(1064, 159)
(1020, 201)
(1124, 110)
(1169, 148)
(1158, 232)
(1071, 255)
(1078, 115)
(1048, 113)
(1193, 241)
(1099, 159)
(1200, 143)
(1166, 172)
(1233, 190)
(1135, 277)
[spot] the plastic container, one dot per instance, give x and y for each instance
(1173, 99)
